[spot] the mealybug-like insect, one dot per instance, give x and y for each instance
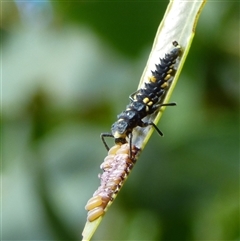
(116, 167)
(145, 101)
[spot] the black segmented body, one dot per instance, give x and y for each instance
(145, 101)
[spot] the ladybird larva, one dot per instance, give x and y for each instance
(144, 101)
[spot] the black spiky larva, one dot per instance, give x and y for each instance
(145, 101)
(116, 168)
(118, 164)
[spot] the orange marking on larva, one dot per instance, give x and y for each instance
(152, 79)
(145, 100)
(164, 85)
(93, 203)
(168, 76)
(150, 103)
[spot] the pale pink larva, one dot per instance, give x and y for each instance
(116, 167)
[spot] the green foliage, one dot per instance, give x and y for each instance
(128, 26)
(63, 83)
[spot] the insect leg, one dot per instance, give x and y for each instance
(169, 104)
(103, 135)
(130, 145)
(165, 104)
(158, 106)
(145, 124)
(155, 127)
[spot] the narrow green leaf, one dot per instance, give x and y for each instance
(179, 24)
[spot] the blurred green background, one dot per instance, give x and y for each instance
(67, 71)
